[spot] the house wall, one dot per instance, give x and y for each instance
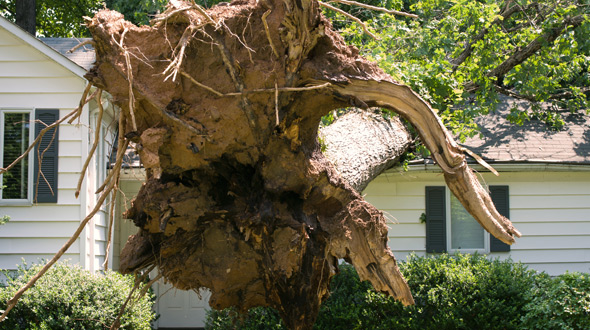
(550, 208)
(30, 79)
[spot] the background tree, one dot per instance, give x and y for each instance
(54, 18)
(459, 55)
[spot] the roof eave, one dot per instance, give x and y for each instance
(23, 35)
(504, 166)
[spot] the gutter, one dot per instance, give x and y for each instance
(429, 166)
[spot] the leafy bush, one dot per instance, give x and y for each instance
(559, 303)
(68, 297)
(451, 292)
(259, 318)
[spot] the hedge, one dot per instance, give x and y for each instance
(451, 292)
(68, 297)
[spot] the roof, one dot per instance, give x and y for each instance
(83, 56)
(534, 141)
(48, 51)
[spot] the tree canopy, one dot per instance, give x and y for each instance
(56, 18)
(459, 55)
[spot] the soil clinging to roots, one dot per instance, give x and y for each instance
(224, 107)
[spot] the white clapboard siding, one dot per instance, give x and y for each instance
(522, 215)
(54, 100)
(41, 229)
(30, 78)
(406, 229)
(36, 69)
(11, 261)
(551, 209)
(19, 53)
(34, 245)
(41, 85)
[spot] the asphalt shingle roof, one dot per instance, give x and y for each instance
(83, 56)
(534, 141)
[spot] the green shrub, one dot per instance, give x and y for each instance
(559, 303)
(451, 292)
(68, 297)
(259, 318)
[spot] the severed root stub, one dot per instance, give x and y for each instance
(224, 107)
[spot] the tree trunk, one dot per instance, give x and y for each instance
(362, 144)
(26, 11)
(224, 106)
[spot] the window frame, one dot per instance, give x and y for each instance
(31, 178)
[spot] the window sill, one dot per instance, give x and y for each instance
(17, 203)
(469, 251)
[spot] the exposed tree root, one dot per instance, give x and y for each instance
(239, 198)
(12, 302)
(94, 144)
(139, 280)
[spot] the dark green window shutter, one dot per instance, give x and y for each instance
(501, 200)
(45, 189)
(436, 227)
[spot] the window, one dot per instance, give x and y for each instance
(461, 232)
(466, 234)
(26, 181)
(15, 139)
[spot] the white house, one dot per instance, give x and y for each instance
(38, 84)
(544, 182)
(543, 187)
(40, 80)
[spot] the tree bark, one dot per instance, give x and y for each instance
(224, 106)
(26, 11)
(362, 144)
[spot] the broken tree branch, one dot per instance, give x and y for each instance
(82, 44)
(448, 154)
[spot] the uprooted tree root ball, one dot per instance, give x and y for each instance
(224, 107)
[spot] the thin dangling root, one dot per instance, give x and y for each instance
(94, 144)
